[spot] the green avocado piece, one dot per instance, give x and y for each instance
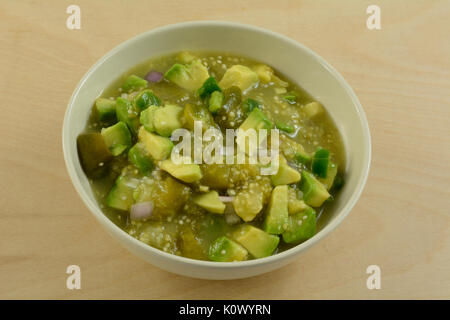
(260, 244)
(121, 194)
(106, 109)
(167, 119)
(209, 86)
(134, 82)
(146, 98)
(240, 76)
(187, 172)
(295, 205)
(190, 76)
(140, 158)
(313, 109)
(314, 193)
(277, 212)
(147, 118)
(117, 138)
(93, 153)
(331, 175)
(127, 113)
(301, 227)
(285, 174)
(158, 147)
(224, 249)
(210, 201)
(256, 120)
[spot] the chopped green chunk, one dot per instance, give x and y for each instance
(145, 99)
(215, 101)
(320, 162)
(208, 87)
(117, 138)
(284, 127)
(134, 82)
(224, 249)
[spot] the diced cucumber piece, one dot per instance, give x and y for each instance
(134, 82)
(215, 101)
(208, 87)
(314, 193)
(320, 162)
(226, 250)
(190, 76)
(210, 201)
(301, 227)
(260, 244)
(128, 114)
(94, 154)
(167, 119)
(146, 98)
(147, 118)
(256, 120)
(249, 104)
(283, 126)
(277, 213)
(140, 158)
(331, 175)
(106, 109)
(117, 138)
(189, 172)
(158, 147)
(240, 76)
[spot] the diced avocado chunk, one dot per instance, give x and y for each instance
(249, 202)
(320, 162)
(260, 244)
(146, 98)
(301, 227)
(209, 86)
(117, 138)
(140, 158)
(93, 153)
(295, 205)
(313, 109)
(121, 194)
(264, 72)
(215, 101)
(277, 212)
(106, 109)
(167, 119)
(127, 113)
(292, 150)
(286, 174)
(256, 120)
(283, 126)
(190, 76)
(191, 245)
(134, 82)
(210, 201)
(331, 175)
(224, 249)
(147, 118)
(187, 172)
(239, 76)
(185, 57)
(158, 147)
(314, 193)
(194, 112)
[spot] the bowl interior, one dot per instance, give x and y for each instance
(298, 63)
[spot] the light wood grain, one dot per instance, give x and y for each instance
(401, 223)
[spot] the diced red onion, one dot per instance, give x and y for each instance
(154, 76)
(141, 210)
(226, 199)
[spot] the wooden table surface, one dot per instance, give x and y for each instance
(400, 73)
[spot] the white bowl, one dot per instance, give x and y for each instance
(294, 60)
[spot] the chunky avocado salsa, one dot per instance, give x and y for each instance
(221, 211)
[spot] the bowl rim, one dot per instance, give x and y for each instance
(107, 223)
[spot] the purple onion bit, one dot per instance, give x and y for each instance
(154, 76)
(141, 210)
